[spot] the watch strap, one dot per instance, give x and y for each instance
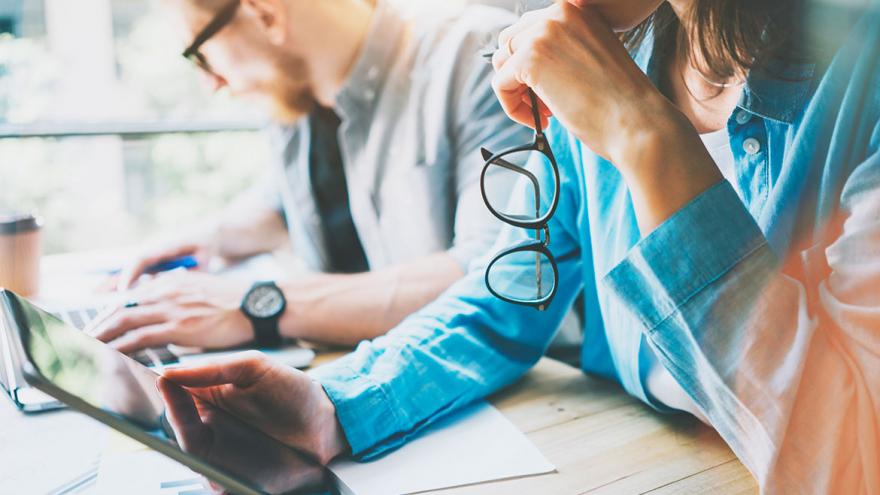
(266, 333)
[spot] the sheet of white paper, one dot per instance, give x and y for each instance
(145, 472)
(476, 445)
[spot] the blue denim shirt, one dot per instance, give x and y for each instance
(760, 297)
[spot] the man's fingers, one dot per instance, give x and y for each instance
(132, 273)
(242, 370)
(125, 320)
(144, 338)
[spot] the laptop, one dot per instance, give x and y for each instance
(26, 398)
(92, 378)
(30, 400)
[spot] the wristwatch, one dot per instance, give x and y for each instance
(263, 305)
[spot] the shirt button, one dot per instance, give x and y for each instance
(751, 146)
(743, 117)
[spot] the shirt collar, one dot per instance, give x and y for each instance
(778, 92)
(368, 73)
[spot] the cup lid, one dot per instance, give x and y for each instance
(16, 223)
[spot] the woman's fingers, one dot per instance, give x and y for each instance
(242, 371)
(525, 22)
(542, 107)
(510, 38)
(183, 416)
(516, 73)
(511, 85)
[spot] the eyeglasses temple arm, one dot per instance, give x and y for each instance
(536, 113)
(534, 180)
(223, 18)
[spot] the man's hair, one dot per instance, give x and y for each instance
(727, 37)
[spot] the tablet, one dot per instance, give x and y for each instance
(94, 379)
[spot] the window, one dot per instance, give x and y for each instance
(106, 132)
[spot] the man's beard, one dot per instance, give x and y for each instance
(291, 96)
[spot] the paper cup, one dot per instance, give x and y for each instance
(20, 253)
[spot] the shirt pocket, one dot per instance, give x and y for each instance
(416, 211)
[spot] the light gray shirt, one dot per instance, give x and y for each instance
(416, 109)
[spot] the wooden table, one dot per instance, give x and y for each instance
(600, 439)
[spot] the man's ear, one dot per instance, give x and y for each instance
(271, 16)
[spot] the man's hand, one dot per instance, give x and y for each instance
(161, 254)
(184, 308)
(282, 402)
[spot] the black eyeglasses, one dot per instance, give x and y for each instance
(220, 21)
(508, 281)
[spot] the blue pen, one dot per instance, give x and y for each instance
(185, 262)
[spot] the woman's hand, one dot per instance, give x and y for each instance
(282, 402)
(582, 74)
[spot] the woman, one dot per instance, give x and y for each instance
(751, 302)
(759, 293)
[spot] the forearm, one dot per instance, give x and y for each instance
(665, 165)
(346, 309)
(243, 233)
(763, 351)
(462, 347)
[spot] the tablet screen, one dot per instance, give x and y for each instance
(107, 380)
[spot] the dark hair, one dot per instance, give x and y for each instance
(727, 37)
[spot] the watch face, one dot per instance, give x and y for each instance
(264, 302)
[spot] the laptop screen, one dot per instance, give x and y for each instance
(111, 382)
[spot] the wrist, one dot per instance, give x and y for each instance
(289, 324)
(331, 442)
(644, 129)
(242, 331)
(665, 165)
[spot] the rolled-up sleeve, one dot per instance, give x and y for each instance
(690, 251)
(460, 348)
(779, 350)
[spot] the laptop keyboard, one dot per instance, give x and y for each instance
(80, 319)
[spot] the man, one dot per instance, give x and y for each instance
(378, 181)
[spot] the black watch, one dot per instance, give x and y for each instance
(263, 305)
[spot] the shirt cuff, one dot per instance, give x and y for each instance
(363, 408)
(695, 247)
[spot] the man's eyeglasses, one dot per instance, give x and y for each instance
(508, 281)
(220, 21)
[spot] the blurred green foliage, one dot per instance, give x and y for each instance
(99, 192)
